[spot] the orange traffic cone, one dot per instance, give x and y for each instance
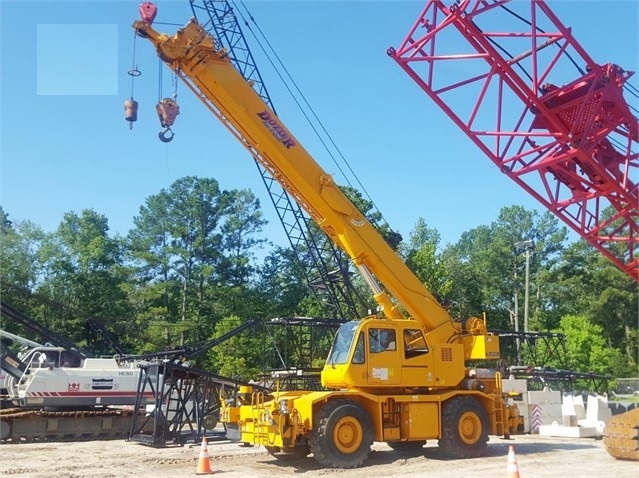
(204, 463)
(512, 471)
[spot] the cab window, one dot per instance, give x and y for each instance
(358, 356)
(381, 340)
(69, 360)
(414, 343)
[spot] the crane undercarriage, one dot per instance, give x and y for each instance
(18, 425)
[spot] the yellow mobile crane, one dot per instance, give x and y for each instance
(398, 377)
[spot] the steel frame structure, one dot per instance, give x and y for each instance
(186, 403)
(569, 140)
(536, 348)
(538, 378)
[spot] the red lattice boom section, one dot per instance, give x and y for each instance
(531, 98)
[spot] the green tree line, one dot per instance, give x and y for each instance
(195, 265)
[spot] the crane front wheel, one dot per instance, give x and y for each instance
(343, 434)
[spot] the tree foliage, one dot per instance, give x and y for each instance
(195, 264)
(586, 347)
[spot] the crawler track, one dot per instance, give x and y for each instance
(19, 426)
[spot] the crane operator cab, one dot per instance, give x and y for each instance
(55, 357)
(379, 353)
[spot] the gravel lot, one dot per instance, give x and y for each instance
(536, 456)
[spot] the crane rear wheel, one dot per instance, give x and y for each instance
(464, 428)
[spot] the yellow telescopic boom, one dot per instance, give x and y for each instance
(193, 55)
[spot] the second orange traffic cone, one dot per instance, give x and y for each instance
(204, 462)
(512, 471)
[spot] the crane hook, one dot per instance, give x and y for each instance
(163, 137)
(168, 110)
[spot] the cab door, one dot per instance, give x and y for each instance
(383, 364)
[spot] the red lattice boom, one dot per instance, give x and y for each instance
(533, 100)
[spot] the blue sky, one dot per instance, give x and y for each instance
(65, 145)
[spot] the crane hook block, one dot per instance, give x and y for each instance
(168, 110)
(148, 11)
(131, 110)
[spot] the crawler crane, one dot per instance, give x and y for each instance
(399, 377)
(60, 391)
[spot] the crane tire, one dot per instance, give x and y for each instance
(464, 424)
(342, 435)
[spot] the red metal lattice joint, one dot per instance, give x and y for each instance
(531, 98)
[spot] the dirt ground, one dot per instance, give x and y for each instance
(536, 456)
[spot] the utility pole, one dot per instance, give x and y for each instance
(516, 313)
(527, 296)
(525, 246)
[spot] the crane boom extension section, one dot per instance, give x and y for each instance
(398, 377)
